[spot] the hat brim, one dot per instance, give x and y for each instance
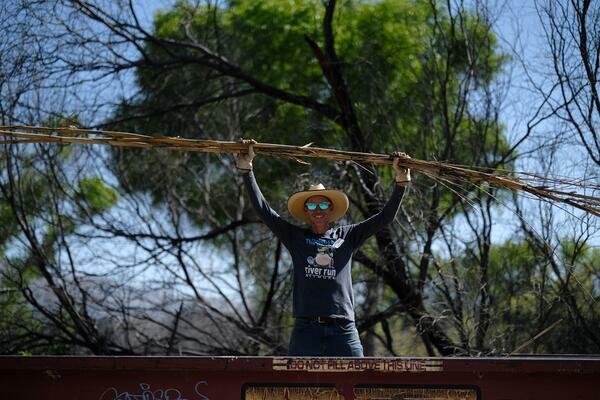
(338, 199)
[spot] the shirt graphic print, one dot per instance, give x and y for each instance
(321, 264)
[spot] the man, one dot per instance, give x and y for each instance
(323, 300)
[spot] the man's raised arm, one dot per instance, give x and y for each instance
(278, 225)
(363, 230)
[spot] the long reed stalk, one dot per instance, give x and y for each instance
(577, 194)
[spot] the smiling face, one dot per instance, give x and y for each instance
(318, 215)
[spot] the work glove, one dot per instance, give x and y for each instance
(402, 173)
(244, 158)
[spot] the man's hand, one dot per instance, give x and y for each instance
(244, 158)
(402, 173)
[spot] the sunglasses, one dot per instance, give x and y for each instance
(324, 205)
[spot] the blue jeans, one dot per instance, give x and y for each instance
(338, 339)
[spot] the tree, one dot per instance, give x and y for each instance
(572, 31)
(178, 262)
(453, 60)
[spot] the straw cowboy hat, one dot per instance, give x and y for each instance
(338, 199)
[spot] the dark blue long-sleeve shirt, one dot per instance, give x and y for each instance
(322, 262)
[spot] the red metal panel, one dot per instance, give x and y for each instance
(202, 378)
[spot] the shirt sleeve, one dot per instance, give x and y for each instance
(363, 230)
(280, 227)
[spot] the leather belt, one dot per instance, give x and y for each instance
(325, 320)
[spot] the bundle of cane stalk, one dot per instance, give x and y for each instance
(579, 194)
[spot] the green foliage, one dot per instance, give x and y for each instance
(527, 294)
(44, 200)
(97, 194)
(8, 224)
(62, 121)
(269, 37)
